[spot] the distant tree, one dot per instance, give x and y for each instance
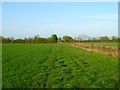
(118, 39)
(49, 40)
(67, 39)
(104, 38)
(12, 39)
(6, 40)
(54, 38)
(0, 39)
(28, 40)
(36, 36)
(94, 39)
(36, 39)
(19, 41)
(42, 40)
(114, 38)
(59, 39)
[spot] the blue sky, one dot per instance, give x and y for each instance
(25, 19)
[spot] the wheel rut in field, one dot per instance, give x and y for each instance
(67, 66)
(61, 66)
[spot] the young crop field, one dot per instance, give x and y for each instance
(56, 66)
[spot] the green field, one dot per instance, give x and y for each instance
(56, 66)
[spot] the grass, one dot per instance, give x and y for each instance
(0, 66)
(56, 66)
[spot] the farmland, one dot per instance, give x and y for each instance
(56, 66)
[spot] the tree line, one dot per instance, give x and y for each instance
(35, 39)
(101, 39)
(55, 39)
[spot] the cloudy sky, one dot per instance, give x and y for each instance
(27, 19)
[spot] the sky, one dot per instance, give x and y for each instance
(27, 19)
